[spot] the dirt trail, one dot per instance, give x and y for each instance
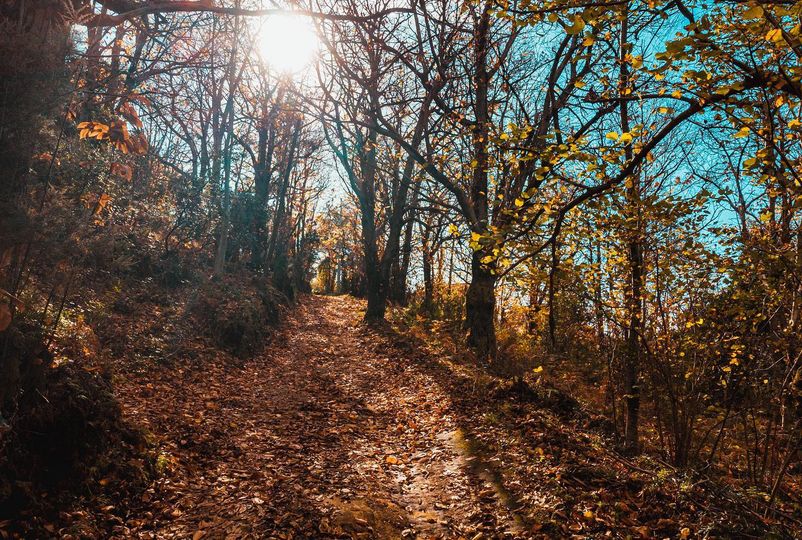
(328, 434)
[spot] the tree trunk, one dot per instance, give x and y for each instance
(262, 172)
(227, 127)
(427, 306)
(278, 244)
(225, 224)
(555, 264)
(480, 305)
(480, 301)
(376, 293)
(400, 281)
(374, 274)
(632, 357)
(377, 299)
(261, 182)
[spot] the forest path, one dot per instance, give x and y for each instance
(331, 433)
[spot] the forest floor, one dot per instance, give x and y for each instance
(339, 430)
(328, 433)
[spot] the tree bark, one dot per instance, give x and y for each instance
(277, 250)
(480, 306)
(227, 129)
(632, 357)
(406, 254)
(480, 300)
(427, 306)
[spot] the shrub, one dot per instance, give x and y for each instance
(23, 364)
(68, 439)
(237, 312)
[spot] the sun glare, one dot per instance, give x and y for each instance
(288, 43)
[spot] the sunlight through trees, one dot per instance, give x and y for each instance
(598, 201)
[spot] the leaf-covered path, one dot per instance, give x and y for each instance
(327, 434)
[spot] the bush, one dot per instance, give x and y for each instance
(24, 361)
(237, 312)
(69, 439)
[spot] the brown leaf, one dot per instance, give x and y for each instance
(102, 201)
(130, 114)
(122, 170)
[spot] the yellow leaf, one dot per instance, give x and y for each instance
(753, 13)
(519, 203)
(391, 460)
(577, 27)
(774, 34)
(743, 132)
(613, 136)
(538, 369)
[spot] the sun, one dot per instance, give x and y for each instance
(288, 43)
